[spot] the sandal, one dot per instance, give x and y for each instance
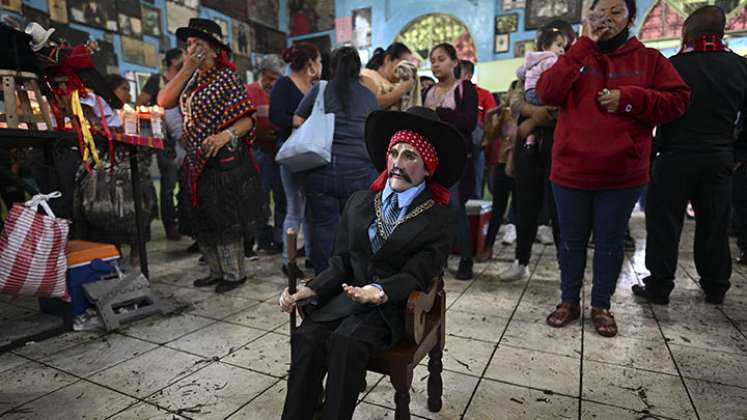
(564, 314)
(604, 322)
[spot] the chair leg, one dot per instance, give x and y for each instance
(402, 380)
(435, 383)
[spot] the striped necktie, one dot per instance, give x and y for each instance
(387, 224)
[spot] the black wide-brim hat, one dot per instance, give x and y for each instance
(447, 140)
(205, 29)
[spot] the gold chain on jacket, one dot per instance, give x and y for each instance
(378, 205)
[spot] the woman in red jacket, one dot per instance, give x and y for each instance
(611, 91)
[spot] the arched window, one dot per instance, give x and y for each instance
(427, 31)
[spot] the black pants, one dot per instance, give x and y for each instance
(739, 205)
(704, 179)
(169, 174)
(531, 189)
(502, 187)
(340, 349)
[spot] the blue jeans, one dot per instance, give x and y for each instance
(295, 210)
(327, 190)
(607, 213)
(271, 183)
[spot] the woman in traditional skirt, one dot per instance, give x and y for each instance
(218, 122)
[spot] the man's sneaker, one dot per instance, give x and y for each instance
(647, 293)
(515, 272)
(742, 258)
(544, 235)
(509, 237)
(465, 269)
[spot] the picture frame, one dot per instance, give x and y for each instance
(508, 23)
(265, 12)
(502, 43)
(508, 5)
(268, 40)
(541, 12)
(242, 39)
(35, 15)
(310, 16)
(12, 5)
(99, 14)
(129, 18)
(362, 28)
(223, 25)
(151, 17)
(58, 10)
(133, 50)
(178, 16)
(521, 48)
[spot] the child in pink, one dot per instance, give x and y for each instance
(551, 43)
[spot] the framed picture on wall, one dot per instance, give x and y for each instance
(178, 15)
(58, 10)
(513, 4)
(362, 28)
(192, 4)
(151, 17)
(105, 59)
(242, 39)
(268, 40)
(129, 18)
(133, 50)
(13, 5)
(236, 9)
(263, 11)
(223, 25)
(309, 16)
(541, 12)
(507, 23)
(100, 14)
(502, 43)
(521, 48)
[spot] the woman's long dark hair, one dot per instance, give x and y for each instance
(346, 68)
(452, 53)
(394, 52)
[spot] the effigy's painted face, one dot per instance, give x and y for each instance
(405, 167)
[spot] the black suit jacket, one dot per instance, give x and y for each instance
(414, 254)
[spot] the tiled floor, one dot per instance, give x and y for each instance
(226, 357)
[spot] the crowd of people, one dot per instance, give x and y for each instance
(593, 125)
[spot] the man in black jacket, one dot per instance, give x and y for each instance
(695, 163)
(391, 241)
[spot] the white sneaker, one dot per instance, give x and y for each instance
(515, 272)
(509, 236)
(544, 235)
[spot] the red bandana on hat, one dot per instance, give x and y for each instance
(430, 159)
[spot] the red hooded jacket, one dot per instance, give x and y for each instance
(594, 149)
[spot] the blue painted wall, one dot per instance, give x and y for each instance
(390, 16)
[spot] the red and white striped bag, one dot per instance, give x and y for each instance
(32, 250)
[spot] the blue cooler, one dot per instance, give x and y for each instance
(87, 262)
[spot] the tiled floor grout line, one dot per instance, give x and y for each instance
(734, 323)
(503, 333)
(581, 362)
(252, 400)
(671, 354)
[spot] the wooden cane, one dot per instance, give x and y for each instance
(292, 270)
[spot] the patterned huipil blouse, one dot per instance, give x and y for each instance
(211, 102)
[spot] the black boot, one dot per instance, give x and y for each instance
(226, 286)
(650, 295)
(465, 269)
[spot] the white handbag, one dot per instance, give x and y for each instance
(310, 145)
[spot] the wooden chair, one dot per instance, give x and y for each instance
(425, 328)
(20, 90)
